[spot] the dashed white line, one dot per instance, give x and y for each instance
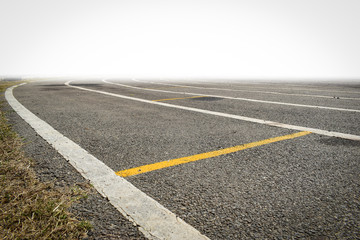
(243, 118)
(154, 220)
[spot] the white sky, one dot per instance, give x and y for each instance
(181, 38)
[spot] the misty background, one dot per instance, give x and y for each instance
(278, 39)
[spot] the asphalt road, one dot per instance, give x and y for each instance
(307, 186)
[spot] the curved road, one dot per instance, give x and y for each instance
(228, 177)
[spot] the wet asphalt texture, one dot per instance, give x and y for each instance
(307, 187)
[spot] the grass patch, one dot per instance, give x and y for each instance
(30, 209)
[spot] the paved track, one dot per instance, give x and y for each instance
(306, 186)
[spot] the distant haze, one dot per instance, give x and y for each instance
(269, 39)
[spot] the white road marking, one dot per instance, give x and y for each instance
(241, 99)
(154, 220)
(240, 90)
(283, 88)
(243, 118)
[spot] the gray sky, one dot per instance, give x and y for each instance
(181, 38)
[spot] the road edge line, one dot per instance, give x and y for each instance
(152, 219)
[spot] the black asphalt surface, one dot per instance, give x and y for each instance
(307, 187)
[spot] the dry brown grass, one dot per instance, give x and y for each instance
(30, 209)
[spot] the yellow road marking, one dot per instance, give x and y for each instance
(178, 161)
(168, 99)
(167, 87)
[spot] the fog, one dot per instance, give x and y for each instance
(167, 39)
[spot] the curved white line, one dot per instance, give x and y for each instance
(239, 90)
(243, 118)
(241, 99)
(154, 220)
(305, 89)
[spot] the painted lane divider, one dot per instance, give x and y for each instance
(242, 99)
(183, 160)
(168, 99)
(233, 116)
(154, 220)
(269, 87)
(241, 90)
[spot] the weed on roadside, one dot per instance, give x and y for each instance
(30, 209)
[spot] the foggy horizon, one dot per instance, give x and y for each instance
(213, 40)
